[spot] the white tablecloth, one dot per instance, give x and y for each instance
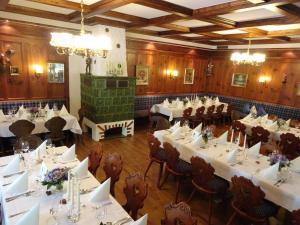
(88, 214)
(274, 133)
(72, 125)
(286, 195)
(174, 112)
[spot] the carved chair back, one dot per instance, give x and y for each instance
(95, 157)
(172, 156)
(154, 144)
(22, 128)
(178, 214)
(56, 125)
(259, 134)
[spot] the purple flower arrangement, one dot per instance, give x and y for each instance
(281, 123)
(55, 177)
(34, 110)
(282, 159)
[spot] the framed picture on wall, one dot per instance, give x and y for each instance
(298, 89)
(56, 73)
(189, 75)
(14, 71)
(142, 74)
(239, 80)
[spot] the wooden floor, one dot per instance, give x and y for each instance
(135, 152)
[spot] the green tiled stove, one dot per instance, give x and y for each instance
(109, 102)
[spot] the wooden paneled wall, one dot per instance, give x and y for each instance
(162, 57)
(31, 45)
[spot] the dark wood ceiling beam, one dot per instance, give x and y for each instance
(289, 10)
(146, 32)
(3, 4)
(230, 24)
(166, 6)
(103, 21)
(176, 28)
(264, 22)
(127, 17)
(62, 3)
(282, 39)
(255, 31)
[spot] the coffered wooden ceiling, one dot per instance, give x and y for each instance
(213, 22)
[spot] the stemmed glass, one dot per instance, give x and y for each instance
(101, 212)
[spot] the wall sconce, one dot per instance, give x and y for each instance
(172, 73)
(38, 70)
(264, 80)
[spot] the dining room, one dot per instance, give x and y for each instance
(118, 112)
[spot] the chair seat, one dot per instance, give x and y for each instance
(183, 167)
(218, 185)
(265, 210)
(160, 155)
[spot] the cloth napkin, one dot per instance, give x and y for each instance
(180, 105)
(47, 107)
(295, 165)
(2, 116)
(232, 156)
(198, 128)
(253, 110)
(40, 151)
(63, 111)
(24, 115)
(175, 126)
(81, 170)
(273, 126)
(12, 167)
(101, 193)
(50, 114)
(188, 104)
(69, 155)
(195, 135)
(248, 117)
(223, 138)
(217, 100)
(177, 100)
(19, 185)
(258, 120)
(31, 217)
(166, 102)
(270, 173)
(288, 122)
(254, 150)
(176, 134)
(141, 221)
(198, 142)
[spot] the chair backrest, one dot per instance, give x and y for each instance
(259, 134)
(229, 110)
(178, 214)
(237, 126)
(295, 217)
(95, 157)
(219, 109)
(272, 117)
(200, 112)
(21, 128)
(135, 190)
(159, 123)
(187, 112)
(210, 110)
(153, 143)
(294, 123)
(246, 195)
(289, 145)
(56, 125)
(172, 155)
(81, 113)
(202, 171)
(112, 167)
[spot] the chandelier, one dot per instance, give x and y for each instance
(255, 59)
(84, 44)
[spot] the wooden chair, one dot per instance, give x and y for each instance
(158, 123)
(135, 190)
(113, 166)
(295, 123)
(248, 202)
(289, 145)
(237, 126)
(259, 134)
(186, 116)
(95, 157)
(272, 117)
(175, 166)
(227, 116)
(21, 128)
(56, 125)
(217, 116)
(198, 118)
(156, 155)
(178, 214)
(208, 117)
(295, 218)
(204, 180)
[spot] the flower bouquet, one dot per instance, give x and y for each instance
(203, 100)
(282, 159)
(56, 178)
(281, 123)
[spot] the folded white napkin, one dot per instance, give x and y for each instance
(175, 126)
(12, 167)
(198, 142)
(208, 102)
(177, 99)
(180, 105)
(223, 138)
(19, 185)
(101, 193)
(141, 221)
(198, 128)
(166, 103)
(253, 110)
(254, 150)
(248, 117)
(188, 104)
(24, 116)
(217, 100)
(265, 119)
(295, 165)
(195, 135)
(69, 155)
(31, 217)
(81, 170)
(270, 173)
(258, 119)
(50, 114)
(40, 151)
(288, 122)
(63, 111)
(2, 116)
(176, 134)
(232, 156)
(273, 126)
(197, 98)
(47, 107)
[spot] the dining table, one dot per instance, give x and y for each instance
(285, 194)
(13, 210)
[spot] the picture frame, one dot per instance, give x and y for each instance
(298, 89)
(56, 73)
(142, 74)
(239, 80)
(189, 74)
(14, 71)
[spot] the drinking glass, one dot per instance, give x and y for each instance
(25, 146)
(101, 212)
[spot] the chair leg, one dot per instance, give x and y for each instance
(161, 167)
(164, 180)
(149, 165)
(191, 195)
(231, 219)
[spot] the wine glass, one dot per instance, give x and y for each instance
(101, 212)
(25, 146)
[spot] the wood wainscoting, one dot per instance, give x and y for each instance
(31, 46)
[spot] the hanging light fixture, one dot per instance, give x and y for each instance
(255, 59)
(84, 44)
